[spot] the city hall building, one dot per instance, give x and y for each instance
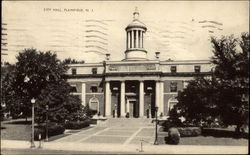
(135, 85)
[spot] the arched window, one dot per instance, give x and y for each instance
(94, 103)
(171, 103)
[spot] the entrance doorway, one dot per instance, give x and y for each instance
(133, 108)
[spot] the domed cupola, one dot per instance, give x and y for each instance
(135, 34)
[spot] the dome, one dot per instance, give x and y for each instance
(136, 24)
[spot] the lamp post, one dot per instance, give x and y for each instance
(47, 136)
(156, 134)
(33, 101)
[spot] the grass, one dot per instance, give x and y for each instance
(16, 130)
(20, 129)
(210, 140)
(216, 136)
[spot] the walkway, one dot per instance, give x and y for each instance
(116, 131)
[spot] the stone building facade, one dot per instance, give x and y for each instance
(134, 85)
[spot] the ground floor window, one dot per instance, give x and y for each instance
(94, 103)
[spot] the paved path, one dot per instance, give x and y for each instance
(116, 131)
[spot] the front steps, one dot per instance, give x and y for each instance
(128, 122)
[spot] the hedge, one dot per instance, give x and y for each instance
(189, 131)
(77, 124)
(53, 129)
(169, 124)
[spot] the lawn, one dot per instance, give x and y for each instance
(19, 129)
(216, 136)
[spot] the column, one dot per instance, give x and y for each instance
(157, 94)
(161, 107)
(128, 39)
(139, 39)
(136, 38)
(141, 99)
(132, 39)
(127, 104)
(83, 94)
(142, 39)
(107, 99)
(122, 99)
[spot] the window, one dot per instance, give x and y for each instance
(185, 84)
(197, 69)
(93, 89)
(73, 71)
(173, 69)
(94, 70)
(173, 87)
(73, 89)
(171, 105)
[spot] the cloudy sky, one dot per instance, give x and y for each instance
(87, 30)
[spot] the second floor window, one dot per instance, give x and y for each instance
(173, 87)
(197, 69)
(173, 69)
(73, 71)
(94, 70)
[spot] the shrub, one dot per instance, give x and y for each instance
(53, 129)
(189, 131)
(171, 123)
(77, 124)
(173, 136)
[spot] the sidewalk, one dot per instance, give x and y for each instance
(109, 148)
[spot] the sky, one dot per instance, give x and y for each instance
(86, 30)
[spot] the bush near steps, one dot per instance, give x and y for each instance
(53, 129)
(77, 124)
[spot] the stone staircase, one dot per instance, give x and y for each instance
(128, 122)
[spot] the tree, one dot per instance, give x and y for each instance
(225, 94)
(231, 58)
(198, 102)
(62, 105)
(40, 75)
(8, 97)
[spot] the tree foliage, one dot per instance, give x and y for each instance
(8, 95)
(73, 61)
(61, 104)
(40, 75)
(198, 102)
(225, 94)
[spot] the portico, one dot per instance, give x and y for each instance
(126, 98)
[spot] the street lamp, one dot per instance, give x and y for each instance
(156, 134)
(33, 101)
(47, 137)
